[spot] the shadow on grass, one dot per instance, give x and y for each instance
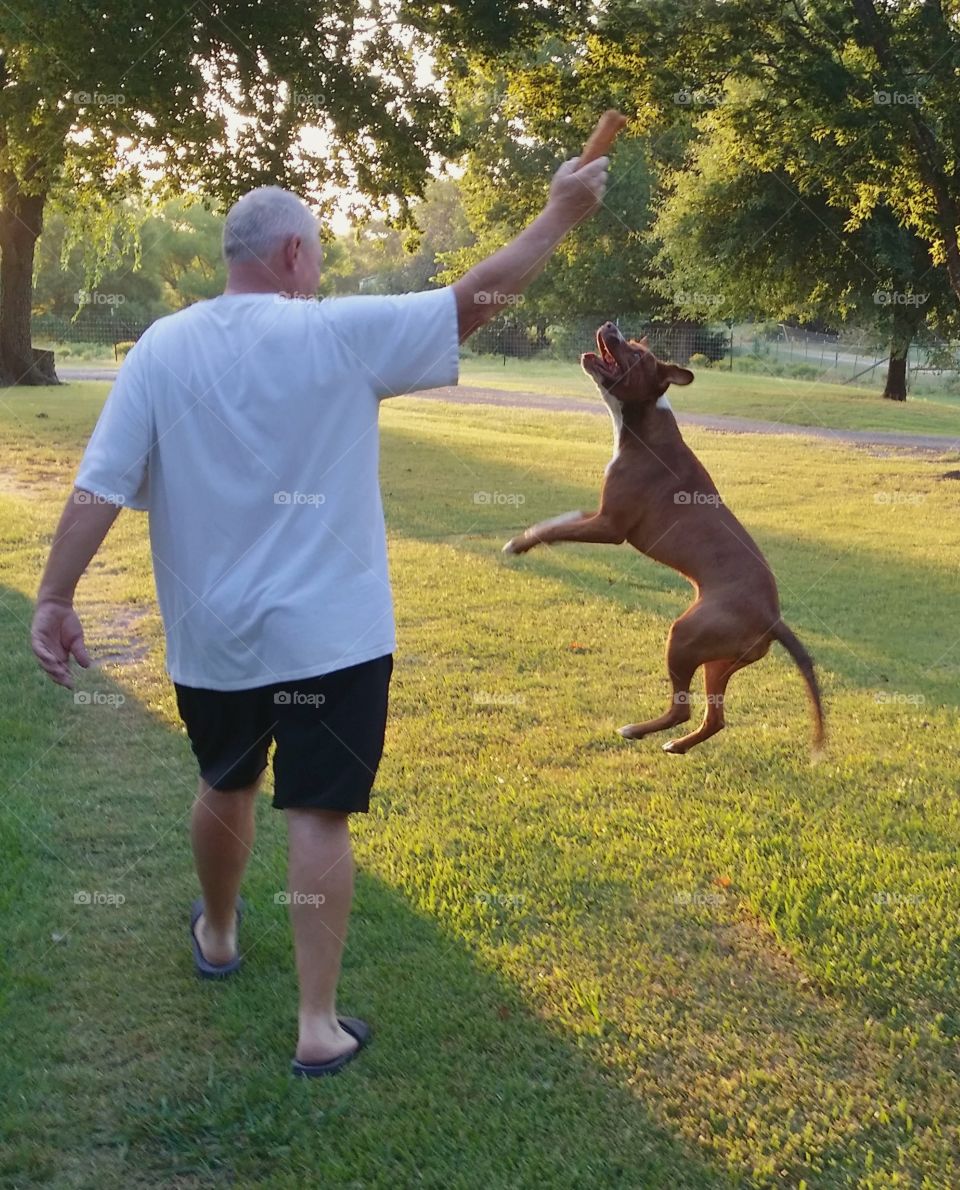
(853, 601)
(120, 1067)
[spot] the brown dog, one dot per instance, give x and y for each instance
(658, 496)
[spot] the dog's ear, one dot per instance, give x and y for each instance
(673, 374)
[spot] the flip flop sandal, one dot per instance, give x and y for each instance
(205, 969)
(356, 1028)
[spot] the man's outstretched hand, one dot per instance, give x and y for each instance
(576, 192)
(57, 635)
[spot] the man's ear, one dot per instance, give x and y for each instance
(673, 374)
(291, 251)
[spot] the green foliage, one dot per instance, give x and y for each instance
(587, 964)
(172, 260)
(379, 258)
(519, 122)
(850, 104)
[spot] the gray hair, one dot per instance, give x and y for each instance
(262, 221)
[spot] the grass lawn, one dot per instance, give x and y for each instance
(587, 963)
(738, 394)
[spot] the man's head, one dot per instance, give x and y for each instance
(271, 243)
(628, 369)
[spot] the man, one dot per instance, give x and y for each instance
(247, 427)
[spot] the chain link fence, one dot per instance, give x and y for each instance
(770, 349)
(92, 335)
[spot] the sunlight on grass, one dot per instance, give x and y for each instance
(735, 394)
(588, 963)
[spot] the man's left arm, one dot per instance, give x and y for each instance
(56, 634)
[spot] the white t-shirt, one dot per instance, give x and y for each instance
(247, 427)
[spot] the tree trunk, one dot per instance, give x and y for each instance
(21, 220)
(905, 326)
(896, 387)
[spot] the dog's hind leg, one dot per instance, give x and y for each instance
(716, 675)
(682, 663)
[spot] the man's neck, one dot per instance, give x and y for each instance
(252, 280)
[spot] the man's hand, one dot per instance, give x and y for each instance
(57, 635)
(577, 193)
(483, 291)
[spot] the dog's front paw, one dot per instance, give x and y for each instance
(516, 545)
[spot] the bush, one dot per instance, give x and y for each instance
(569, 339)
(120, 349)
(803, 371)
(699, 360)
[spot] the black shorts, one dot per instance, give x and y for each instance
(329, 732)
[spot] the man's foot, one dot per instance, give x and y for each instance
(217, 948)
(324, 1041)
(359, 1032)
(215, 955)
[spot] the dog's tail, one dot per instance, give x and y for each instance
(804, 663)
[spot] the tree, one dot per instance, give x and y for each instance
(212, 97)
(856, 99)
(740, 240)
(380, 258)
(520, 119)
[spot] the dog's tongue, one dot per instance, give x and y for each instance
(605, 352)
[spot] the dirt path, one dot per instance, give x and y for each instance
(464, 394)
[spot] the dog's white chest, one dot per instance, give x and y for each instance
(616, 416)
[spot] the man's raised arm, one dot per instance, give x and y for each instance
(482, 292)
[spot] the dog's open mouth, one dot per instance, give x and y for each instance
(602, 364)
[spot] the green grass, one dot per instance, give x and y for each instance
(587, 963)
(737, 394)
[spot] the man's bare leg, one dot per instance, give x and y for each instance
(222, 832)
(320, 885)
